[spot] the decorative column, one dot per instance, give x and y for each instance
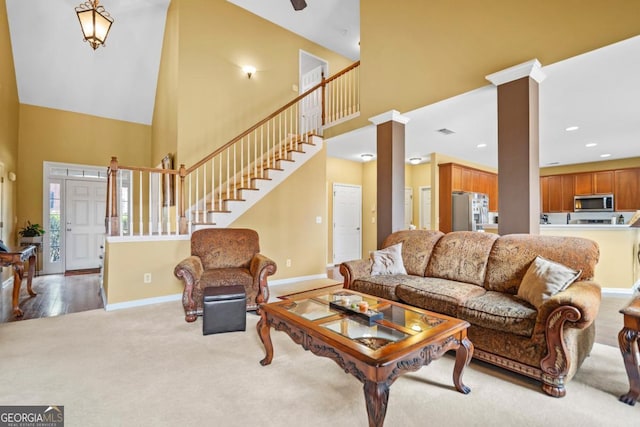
(518, 148)
(390, 172)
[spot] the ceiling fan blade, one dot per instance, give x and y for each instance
(298, 4)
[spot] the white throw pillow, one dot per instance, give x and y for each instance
(388, 261)
(544, 279)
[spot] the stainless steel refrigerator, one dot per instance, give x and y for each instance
(469, 211)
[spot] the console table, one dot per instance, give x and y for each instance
(15, 258)
(628, 341)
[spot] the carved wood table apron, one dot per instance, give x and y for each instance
(16, 257)
(628, 341)
(375, 348)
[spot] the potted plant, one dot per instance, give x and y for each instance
(31, 233)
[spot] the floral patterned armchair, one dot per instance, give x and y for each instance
(221, 257)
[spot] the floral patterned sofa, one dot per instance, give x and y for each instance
(477, 277)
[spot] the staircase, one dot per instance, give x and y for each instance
(218, 189)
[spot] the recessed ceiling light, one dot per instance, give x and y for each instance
(415, 160)
(572, 128)
(605, 155)
(366, 157)
(481, 145)
(591, 144)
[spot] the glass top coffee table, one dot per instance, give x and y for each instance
(374, 339)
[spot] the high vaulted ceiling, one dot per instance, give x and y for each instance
(598, 91)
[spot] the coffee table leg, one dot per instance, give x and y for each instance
(376, 395)
(463, 356)
(265, 337)
(626, 339)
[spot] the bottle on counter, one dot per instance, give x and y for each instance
(621, 219)
(568, 218)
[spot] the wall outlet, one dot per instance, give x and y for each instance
(288, 263)
(318, 220)
(147, 277)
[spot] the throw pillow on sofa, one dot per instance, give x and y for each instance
(388, 261)
(544, 279)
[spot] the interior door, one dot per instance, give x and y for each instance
(347, 222)
(425, 208)
(84, 225)
(408, 207)
(311, 108)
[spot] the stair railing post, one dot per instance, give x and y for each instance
(324, 85)
(113, 217)
(183, 226)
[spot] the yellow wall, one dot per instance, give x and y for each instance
(8, 135)
(216, 100)
(286, 221)
(164, 134)
(156, 257)
(427, 51)
(59, 136)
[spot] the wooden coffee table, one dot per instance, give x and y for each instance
(376, 352)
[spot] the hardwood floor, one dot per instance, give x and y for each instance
(57, 294)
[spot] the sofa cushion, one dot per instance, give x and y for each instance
(544, 279)
(501, 312)
(387, 261)
(461, 256)
(417, 246)
(512, 255)
(383, 286)
(439, 295)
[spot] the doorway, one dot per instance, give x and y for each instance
(74, 198)
(312, 68)
(425, 208)
(347, 222)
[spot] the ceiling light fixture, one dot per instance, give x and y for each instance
(298, 4)
(572, 128)
(481, 145)
(415, 160)
(249, 70)
(95, 22)
(366, 157)
(591, 144)
(605, 155)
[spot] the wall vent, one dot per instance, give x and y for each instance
(445, 131)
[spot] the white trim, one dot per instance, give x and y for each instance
(143, 302)
(391, 115)
(147, 238)
(617, 291)
(526, 69)
(7, 282)
(296, 279)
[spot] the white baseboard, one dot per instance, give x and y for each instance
(296, 279)
(143, 302)
(7, 282)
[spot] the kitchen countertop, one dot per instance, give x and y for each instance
(573, 226)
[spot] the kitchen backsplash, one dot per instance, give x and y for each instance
(561, 218)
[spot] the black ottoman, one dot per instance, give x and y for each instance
(224, 309)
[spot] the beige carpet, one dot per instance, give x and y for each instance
(147, 367)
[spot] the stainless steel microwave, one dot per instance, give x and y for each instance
(595, 203)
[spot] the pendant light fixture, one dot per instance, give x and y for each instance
(95, 22)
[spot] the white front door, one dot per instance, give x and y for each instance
(347, 222)
(84, 223)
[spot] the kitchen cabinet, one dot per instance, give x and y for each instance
(594, 183)
(556, 193)
(627, 189)
(455, 177)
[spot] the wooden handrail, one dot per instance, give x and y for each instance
(269, 117)
(151, 170)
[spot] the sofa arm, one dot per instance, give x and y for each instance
(585, 296)
(260, 268)
(189, 270)
(352, 270)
